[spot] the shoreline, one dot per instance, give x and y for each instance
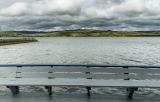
(4, 42)
(80, 33)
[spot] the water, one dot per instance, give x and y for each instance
(85, 50)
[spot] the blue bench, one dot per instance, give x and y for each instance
(129, 76)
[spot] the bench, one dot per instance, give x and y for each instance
(129, 76)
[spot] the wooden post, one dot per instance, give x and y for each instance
(130, 92)
(49, 88)
(14, 89)
(126, 73)
(88, 87)
(50, 72)
(18, 71)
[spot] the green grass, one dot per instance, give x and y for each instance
(78, 33)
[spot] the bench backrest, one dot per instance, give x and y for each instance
(49, 72)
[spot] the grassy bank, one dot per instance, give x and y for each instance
(78, 33)
(16, 41)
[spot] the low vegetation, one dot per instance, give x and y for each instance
(16, 41)
(78, 33)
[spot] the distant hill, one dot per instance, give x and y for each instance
(28, 32)
(78, 33)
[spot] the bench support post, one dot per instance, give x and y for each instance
(14, 89)
(130, 92)
(49, 88)
(88, 87)
(88, 90)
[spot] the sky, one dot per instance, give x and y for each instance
(53, 15)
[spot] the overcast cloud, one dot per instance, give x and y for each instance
(52, 15)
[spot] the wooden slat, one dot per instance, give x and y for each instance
(83, 69)
(72, 75)
(101, 73)
(46, 69)
(8, 69)
(80, 75)
(79, 69)
(81, 82)
(143, 76)
(66, 82)
(145, 83)
(131, 70)
(66, 69)
(8, 75)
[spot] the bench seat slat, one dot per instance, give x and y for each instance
(65, 82)
(132, 70)
(72, 75)
(143, 77)
(8, 69)
(81, 82)
(8, 75)
(145, 83)
(81, 75)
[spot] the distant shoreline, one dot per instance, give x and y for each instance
(80, 33)
(4, 42)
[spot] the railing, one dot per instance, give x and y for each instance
(81, 65)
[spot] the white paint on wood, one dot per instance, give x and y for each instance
(76, 76)
(81, 82)
(7, 75)
(73, 75)
(143, 77)
(8, 69)
(84, 69)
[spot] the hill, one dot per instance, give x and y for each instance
(78, 33)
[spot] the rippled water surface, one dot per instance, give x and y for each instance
(85, 50)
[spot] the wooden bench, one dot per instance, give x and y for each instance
(128, 76)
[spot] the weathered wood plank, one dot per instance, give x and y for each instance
(7, 75)
(82, 82)
(143, 76)
(72, 75)
(67, 82)
(84, 69)
(8, 69)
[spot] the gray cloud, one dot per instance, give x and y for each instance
(77, 14)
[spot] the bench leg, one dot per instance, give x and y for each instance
(49, 88)
(14, 89)
(88, 90)
(130, 92)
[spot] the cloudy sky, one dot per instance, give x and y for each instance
(51, 15)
